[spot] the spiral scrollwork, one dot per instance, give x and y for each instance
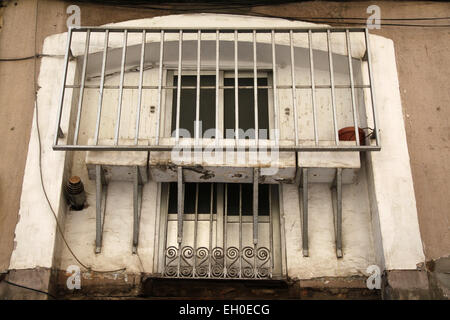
(187, 262)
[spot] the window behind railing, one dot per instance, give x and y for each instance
(311, 89)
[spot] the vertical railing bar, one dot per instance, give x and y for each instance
(195, 229)
(197, 98)
(313, 87)
(294, 94)
(180, 212)
(102, 85)
(83, 79)
(372, 89)
(180, 53)
(122, 73)
(240, 230)
(160, 78)
(333, 96)
(217, 86)
(63, 87)
(211, 212)
(271, 231)
(255, 217)
(141, 79)
(236, 89)
(352, 86)
(225, 233)
(255, 88)
(275, 94)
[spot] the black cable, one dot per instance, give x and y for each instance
(28, 288)
(39, 55)
(223, 5)
(265, 15)
(40, 164)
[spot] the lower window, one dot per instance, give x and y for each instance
(219, 238)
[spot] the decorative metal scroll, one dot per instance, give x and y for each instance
(247, 263)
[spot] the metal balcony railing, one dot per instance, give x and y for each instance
(244, 58)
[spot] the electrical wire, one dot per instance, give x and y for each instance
(219, 5)
(38, 55)
(28, 288)
(40, 163)
(265, 15)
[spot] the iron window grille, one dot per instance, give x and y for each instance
(212, 41)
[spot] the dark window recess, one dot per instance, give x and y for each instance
(188, 99)
(204, 197)
(247, 199)
(247, 107)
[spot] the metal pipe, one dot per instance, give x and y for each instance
(333, 96)
(236, 89)
(102, 84)
(294, 94)
(83, 79)
(313, 89)
(122, 70)
(255, 204)
(231, 148)
(255, 218)
(98, 205)
(180, 54)
(275, 94)
(217, 86)
(160, 79)
(240, 230)
(339, 213)
(317, 86)
(271, 232)
(350, 68)
(223, 29)
(225, 232)
(255, 88)
(180, 211)
(141, 79)
(195, 229)
(63, 87)
(211, 212)
(197, 98)
(372, 89)
(305, 213)
(137, 197)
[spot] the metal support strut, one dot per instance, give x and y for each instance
(304, 187)
(100, 183)
(137, 201)
(336, 194)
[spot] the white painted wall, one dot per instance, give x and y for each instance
(390, 207)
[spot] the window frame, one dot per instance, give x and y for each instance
(166, 110)
(278, 237)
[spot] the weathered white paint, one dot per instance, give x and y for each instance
(391, 192)
(395, 240)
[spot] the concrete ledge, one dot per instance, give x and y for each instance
(117, 165)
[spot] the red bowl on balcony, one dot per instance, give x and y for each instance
(348, 134)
